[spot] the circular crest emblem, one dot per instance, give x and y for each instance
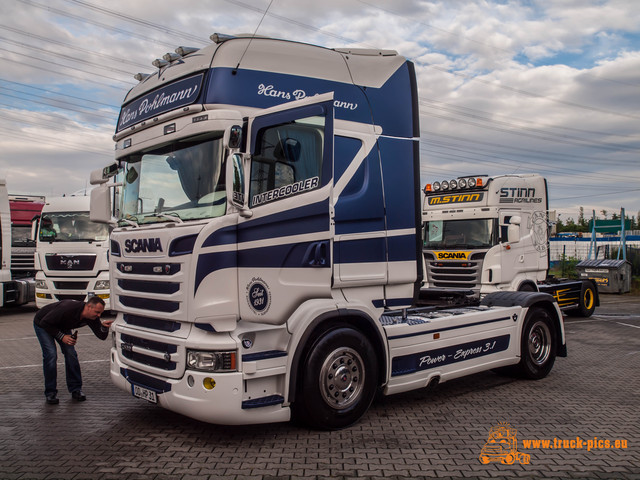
(258, 296)
(538, 225)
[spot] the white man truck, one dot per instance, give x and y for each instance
(15, 290)
(268, 254)
(489, 234)
(71, 253)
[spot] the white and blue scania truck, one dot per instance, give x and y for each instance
(267, 256)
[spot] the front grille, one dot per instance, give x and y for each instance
(71, 285)
(151, 291)
(69, 296)
(154, 354)
(144, 286)
(22, 262)
(151, 323)
(70, 262)
(455, 274)
(152, 304)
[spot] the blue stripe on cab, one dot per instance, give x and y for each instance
(369, 250)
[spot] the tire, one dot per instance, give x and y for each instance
(538, 345)
(586, 303)
(527, 287)
(339, 380)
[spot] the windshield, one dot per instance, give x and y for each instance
(21, 236)
(182, 181)
(473, 233)
(71, 227)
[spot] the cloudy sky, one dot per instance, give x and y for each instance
(542, 86)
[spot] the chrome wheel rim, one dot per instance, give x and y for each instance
(539, 343)
(342, 378)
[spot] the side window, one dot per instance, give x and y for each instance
(288, 160)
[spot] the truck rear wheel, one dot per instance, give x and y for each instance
(538, 344)
(586, 303)
(339, 380)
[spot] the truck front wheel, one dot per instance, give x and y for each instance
(538, 344)
(339, 378)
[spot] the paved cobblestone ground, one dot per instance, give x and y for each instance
(595, 392)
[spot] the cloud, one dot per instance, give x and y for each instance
(548, 85)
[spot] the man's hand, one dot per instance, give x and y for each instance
(106, 323)
(69, 340)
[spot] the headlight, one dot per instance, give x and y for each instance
(211, 361)
(102, 285)
(41, 284)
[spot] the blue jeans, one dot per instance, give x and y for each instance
(50, 359)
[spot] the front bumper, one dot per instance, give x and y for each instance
(188, 395)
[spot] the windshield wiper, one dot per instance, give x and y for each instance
(173, 216)
(131, 220)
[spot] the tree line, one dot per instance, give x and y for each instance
(582, 223)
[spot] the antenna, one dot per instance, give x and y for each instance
(251, 39)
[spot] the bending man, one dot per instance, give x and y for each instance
(55, 323)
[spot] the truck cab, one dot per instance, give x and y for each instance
(71, 253)
(16, 287)
(487, 234)
(489, 237)
(266, 251)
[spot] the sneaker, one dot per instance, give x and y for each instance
(52, 399)
(79, 396)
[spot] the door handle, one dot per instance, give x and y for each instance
(316, 255)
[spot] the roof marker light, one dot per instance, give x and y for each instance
(141, 76)
(159, 63)
(171, 57)
(220, 37)
(183, 51)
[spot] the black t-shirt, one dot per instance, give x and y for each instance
(59, 318)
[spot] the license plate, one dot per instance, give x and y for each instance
(145, 394)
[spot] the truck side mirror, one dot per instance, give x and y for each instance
(35, 223)
(236, 165)
(232, 137)
(513, 232)
(100, 211)
(98, 177)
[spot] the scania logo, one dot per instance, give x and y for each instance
(452, 255)
(135, 245)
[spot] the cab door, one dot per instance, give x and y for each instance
(285, 233)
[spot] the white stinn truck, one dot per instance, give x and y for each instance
(268, 255)
(14, 289)
(489, 234)
(71, 253)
